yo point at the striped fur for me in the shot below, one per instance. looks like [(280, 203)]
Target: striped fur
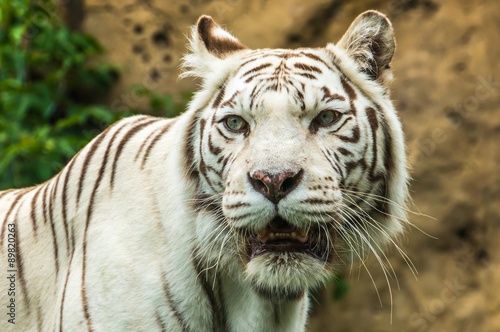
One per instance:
[(148, 227)]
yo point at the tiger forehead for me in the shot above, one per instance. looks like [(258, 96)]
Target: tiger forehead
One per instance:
[(281, 62), (265, 74)]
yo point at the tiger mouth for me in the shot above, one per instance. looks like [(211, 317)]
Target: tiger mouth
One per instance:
[(280, 236)]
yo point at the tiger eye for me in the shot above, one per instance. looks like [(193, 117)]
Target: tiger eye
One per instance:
[(327, 117), (235, 123)]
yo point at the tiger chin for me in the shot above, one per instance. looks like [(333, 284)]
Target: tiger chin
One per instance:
[(287, 165)]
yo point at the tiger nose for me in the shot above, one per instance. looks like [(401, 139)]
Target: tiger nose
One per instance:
[(275, 186)]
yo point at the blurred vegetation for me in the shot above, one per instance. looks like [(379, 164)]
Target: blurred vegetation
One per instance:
[(49, 92), (338, 287)]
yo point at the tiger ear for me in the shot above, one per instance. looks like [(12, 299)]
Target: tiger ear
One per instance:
[(370, 42), (209, 43), (214, 39)]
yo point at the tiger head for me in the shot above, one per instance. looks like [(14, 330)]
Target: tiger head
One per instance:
[(298, 154)]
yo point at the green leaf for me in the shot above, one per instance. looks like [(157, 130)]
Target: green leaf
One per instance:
[(340, 288), (49, 88), (16, 34)]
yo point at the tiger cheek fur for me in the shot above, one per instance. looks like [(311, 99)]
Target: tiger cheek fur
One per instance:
[(287, 165)]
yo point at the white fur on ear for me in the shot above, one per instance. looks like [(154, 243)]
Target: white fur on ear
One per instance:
[(209, 45), (370, 42)]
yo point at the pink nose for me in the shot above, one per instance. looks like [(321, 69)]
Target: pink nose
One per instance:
[(275, 186)]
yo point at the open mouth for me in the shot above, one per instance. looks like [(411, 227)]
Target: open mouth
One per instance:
[(281, 236)]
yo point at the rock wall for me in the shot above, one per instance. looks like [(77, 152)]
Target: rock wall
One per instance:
[(447, 92)]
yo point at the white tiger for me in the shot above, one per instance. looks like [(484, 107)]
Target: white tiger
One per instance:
[(287, 165)]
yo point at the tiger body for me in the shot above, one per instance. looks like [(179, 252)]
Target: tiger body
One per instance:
[(172, 224)]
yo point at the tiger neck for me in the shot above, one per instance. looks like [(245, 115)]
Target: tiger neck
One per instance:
[(248, 311)]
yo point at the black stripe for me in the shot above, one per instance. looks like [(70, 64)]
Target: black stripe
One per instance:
[(299, 98), (20, 194), (146, 140), (159, 322), (5, 192), (348, 88), (350, 166), (307, 75), (307, 67), (53, 206), (252, 96), (44, 202), (189, 163), (328, 156), (203, 168), (173, 305), (53, 229), (20, 264), (219, 321), (5, 221), (250, 59), (33, 211), (338, 162), (351, 139), (339, 126), (230, 102), (236, 205), (93, 148), (251, 78), (389, 168), (314, 201), (253, 70), (329, 96), (373, 121), (155, 140), (65, 202), (207, 203), (220, 95), (215, 150), (222, 134), (61, 311), (314, 57), (224, 164), (90, 211), (131, 133), (344, 152), (242, 216)]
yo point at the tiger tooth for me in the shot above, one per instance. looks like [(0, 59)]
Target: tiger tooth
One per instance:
[(262, 233), (294, 234), (303, 232), (271, 235)]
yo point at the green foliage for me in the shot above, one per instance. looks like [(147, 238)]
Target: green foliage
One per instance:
[(163, 105), (48, 92), (44, 80), (340, 287)]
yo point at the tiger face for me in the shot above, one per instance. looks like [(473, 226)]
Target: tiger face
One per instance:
[(300, 153)]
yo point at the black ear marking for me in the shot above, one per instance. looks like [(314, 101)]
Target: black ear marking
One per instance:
[(216, 40)]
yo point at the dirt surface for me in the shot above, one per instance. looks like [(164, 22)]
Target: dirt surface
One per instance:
[(447, 90)]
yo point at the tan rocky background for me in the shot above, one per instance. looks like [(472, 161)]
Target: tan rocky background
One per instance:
[(447, 92)]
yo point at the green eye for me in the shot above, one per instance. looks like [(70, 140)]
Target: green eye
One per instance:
[(235, 124), (327, 118)]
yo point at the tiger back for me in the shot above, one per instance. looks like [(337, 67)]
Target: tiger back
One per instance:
[(287, 165)]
